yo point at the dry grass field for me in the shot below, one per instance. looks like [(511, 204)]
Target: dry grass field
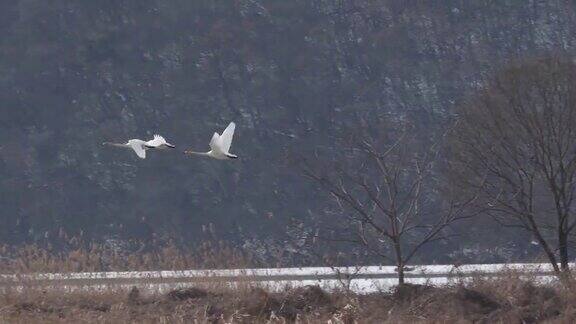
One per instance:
[(508, 299)]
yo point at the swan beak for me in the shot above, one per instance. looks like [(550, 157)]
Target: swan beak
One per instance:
[(170, 146)]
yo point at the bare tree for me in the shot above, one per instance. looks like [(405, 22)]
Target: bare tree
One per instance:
[(387, 194), (515, 142)]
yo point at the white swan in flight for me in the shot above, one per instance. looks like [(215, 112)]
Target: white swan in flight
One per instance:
[(140, 147), (220, 145)]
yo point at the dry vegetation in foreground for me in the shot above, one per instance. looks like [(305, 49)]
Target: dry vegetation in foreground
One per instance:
[(505, 300), (76, 256)]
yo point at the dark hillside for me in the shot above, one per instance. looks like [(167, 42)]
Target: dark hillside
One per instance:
[(292, 74)]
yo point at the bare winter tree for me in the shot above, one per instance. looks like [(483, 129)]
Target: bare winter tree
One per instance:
[(515, 142), (387, 194)]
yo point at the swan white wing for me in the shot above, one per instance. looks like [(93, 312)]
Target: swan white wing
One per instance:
[(226, 138), (157, 141), (140, 151), (215, 142)]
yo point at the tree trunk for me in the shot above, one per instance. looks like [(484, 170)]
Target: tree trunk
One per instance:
[(550, 255), (399, 261), (563, 249), (400, 274), (544, 245)]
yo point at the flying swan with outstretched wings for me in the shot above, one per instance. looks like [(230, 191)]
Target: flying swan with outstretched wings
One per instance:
[(219, 145), (140, 147)]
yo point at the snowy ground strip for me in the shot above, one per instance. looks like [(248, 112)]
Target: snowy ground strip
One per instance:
[(358, 279)]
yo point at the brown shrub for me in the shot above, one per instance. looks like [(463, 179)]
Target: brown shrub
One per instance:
[(261, 304), (308, 298), (187, 293), (133, 296), (408, 292)]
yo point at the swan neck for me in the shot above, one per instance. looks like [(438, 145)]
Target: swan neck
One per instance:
[(198, 153), (115, 144)]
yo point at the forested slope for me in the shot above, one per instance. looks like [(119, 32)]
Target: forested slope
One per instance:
[(292, 74)]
